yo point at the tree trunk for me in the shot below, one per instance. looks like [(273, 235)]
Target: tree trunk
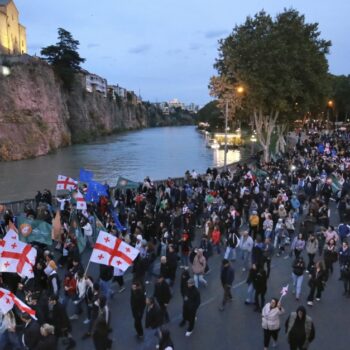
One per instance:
[(281, 143), (264, 126)]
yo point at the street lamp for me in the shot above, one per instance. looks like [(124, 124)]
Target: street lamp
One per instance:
[(330, 105), (253, 140), (237, 92)]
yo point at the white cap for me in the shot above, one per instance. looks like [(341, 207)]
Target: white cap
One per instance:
[(139, 237)]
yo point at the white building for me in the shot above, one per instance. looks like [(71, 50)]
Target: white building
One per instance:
[(175, 103), (96, 83), (117, 91)]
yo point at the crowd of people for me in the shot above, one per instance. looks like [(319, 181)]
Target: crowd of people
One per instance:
[(254, 212)]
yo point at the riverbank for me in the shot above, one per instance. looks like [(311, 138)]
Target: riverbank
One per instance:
[(38, 116)]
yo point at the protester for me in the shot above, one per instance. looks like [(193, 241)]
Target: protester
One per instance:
[(271, 322), (300, 329), (227, 278)]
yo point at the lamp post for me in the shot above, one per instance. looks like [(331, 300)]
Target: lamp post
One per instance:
[(330, 105), (238, 90), (253, 139)]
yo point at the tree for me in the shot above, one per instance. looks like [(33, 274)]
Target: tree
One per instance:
[(64, 56), (341, 96), (282, 65)]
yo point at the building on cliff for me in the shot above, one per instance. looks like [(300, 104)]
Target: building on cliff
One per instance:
[(95, 83), (12, 34), (117, 90)]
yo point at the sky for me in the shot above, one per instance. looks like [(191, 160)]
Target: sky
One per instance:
[(166, 49)]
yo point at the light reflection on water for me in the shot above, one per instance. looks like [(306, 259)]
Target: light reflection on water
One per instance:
[(157, 152)]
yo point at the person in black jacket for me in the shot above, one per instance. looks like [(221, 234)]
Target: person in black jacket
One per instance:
[(48, 340), (106, 276), (171, 257), (31, 332), (162, 294), (260, 286), (227, 278), (154, 315), (185, 276), (59, 319), (165, 342), (138, 304), (191, 304)]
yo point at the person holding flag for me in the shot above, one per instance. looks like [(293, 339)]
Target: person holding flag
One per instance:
[(271, 323)]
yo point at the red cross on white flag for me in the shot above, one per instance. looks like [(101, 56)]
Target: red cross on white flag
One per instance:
[(112, 251), (66, 183), (17, 257), (8, 300), (81, 203)]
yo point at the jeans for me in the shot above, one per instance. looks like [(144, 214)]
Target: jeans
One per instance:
[(105, 287), (246, 257), (297, 282), (199, 278), (184, 260), (228, 252), (250, 294)]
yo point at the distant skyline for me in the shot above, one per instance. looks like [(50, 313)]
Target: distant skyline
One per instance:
[(165, 48)]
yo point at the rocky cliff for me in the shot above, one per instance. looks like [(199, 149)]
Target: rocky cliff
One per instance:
[(38, 116)]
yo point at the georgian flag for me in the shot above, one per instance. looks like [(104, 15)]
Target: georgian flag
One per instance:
[(8, 300), (81, 203), (66, 183), (284, 290), (17, 257), (11, 235), (112, 251)]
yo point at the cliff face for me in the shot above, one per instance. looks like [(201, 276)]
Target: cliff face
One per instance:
[(37, 116)]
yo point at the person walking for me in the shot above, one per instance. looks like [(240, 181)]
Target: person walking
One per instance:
[(227, 278), (138, 304), (311, 249), (191, 303), (198, 268), (300, 329), (298, 276), (344, 257), (317, 282), (260, 286), (154, 316), (298, 245), (330, 256), (162, 294), (271, 322), (232, 242), (165, 342), (246, 246)]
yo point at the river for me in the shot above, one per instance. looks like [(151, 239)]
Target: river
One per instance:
[(157, 152)]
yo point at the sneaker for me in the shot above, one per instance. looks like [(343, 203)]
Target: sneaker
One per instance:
[(187, 334), (147, 282), (318, 299), (221, 308), (307, 271), (121, 290), (243, 269), (74, 317), (274, 344), (310, 303), (87, 321)]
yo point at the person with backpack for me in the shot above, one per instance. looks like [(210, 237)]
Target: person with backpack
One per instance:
[(298, 276), (232, 242)]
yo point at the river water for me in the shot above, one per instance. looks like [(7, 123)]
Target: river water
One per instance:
[(157, 152)]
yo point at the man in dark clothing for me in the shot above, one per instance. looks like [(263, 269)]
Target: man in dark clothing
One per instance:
[(106, 275), (59, 319), (154, 315), (138, 304), (162, 294), (31, 332), (300, 329), (227, 278), (191, 304), (171, 257)]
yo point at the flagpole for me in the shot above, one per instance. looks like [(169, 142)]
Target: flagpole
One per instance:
[(87, 267)]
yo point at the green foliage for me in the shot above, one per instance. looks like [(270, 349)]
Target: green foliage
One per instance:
[(281, 62), (64, 57), (211, 114), (341, 95)]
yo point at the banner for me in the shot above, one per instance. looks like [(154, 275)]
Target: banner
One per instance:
[(34, 230)]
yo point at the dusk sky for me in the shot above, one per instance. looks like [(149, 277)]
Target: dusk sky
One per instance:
[(166, 48)]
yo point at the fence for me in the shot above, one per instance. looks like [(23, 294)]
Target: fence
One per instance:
[(18, 207)]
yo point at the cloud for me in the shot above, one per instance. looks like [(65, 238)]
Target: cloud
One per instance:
[(211, 34), (195, 47), (92, 45), (173, 52), (140, 49)]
